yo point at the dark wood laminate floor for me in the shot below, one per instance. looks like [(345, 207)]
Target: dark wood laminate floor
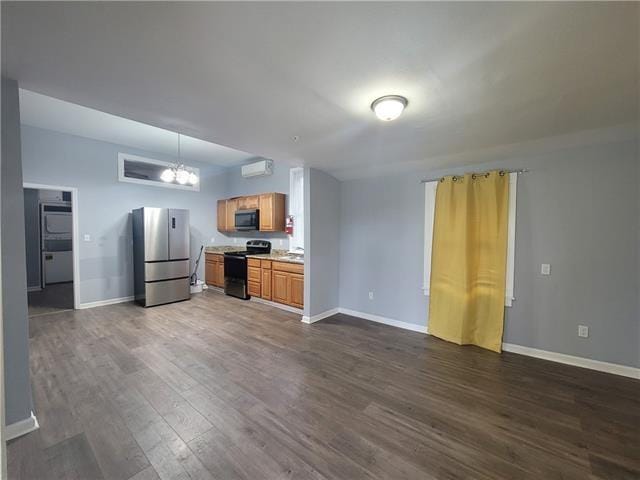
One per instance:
[(225, 389)]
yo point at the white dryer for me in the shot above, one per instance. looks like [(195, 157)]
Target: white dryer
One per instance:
[(56, 227)]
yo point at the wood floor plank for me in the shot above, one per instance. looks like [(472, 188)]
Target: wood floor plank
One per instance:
[(220, 388), (72, 459)]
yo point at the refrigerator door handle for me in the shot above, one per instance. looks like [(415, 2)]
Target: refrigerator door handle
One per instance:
[(173, 222)]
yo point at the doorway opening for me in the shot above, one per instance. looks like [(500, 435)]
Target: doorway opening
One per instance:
[(50, 244)]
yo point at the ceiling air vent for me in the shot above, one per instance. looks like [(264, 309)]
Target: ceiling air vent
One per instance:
[(258, 169)]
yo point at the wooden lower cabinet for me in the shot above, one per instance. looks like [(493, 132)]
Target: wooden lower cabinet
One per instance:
[(279, 292), (287, 284), (214, 269), (253, 288), (266, 284), (280, 282), (296, 290)]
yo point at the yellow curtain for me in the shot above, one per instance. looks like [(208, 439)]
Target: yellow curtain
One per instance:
[(469, 259)]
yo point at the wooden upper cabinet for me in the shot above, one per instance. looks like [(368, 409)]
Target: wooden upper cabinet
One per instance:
[(232, 206), (222, 215), (270, 205), (249, 203), (272, 212)]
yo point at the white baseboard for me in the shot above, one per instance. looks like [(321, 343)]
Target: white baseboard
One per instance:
[(110, 301), (598, 365), (319, 316), (21, 427), (606, 367), (387, 321), (34, 289), (276, 304)]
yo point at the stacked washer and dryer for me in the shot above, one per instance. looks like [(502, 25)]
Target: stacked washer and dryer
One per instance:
[(56, 237)]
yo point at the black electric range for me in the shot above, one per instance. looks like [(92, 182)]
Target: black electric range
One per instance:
[(235, 267)]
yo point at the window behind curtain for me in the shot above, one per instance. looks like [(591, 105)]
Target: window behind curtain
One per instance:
[(296, 207)]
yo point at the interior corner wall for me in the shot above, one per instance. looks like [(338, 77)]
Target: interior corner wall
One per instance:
[(14, 277), (578, 209), (322, 242)]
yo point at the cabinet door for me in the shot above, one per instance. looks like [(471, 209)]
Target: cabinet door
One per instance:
[(252, 202), (210, 272), (266, 284), (279, 286), (296, 296), (253, 274), (253, 289), (220, 273), (222, 215), (232, 206), (266, 212)]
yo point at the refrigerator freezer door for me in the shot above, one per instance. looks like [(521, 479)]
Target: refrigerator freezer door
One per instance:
[(166, 270), (178, 234), (157, 293), (156, 238)]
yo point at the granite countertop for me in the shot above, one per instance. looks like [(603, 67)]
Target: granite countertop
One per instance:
[(280, 256), (276, 255), (222, 248)]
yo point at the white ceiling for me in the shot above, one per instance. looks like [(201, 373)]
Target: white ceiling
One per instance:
[(41, 111), (253, 75)]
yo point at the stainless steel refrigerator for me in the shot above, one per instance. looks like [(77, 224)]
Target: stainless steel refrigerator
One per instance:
[(160, 255)]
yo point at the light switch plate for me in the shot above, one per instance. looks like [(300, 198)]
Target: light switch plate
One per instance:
[(583, 331), (87, 237), (370, 295), (545, 269)]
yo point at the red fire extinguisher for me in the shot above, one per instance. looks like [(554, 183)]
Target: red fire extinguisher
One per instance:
[(288, 228)]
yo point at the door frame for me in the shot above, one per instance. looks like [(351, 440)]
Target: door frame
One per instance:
[(75, 243)]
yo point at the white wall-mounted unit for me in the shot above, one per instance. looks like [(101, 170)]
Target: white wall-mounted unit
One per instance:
[(258, 169)]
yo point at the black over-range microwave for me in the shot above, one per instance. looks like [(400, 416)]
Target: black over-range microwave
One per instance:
[(247, 219)]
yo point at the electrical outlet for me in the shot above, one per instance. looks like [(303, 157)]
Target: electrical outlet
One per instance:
[(87, 237), (583, 331), (281, 242), (235, 240), (213, 239), (370, 295), (545, 269)]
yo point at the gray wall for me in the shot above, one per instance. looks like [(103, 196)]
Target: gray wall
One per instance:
[(14, 277), (322, 241), (104, 204), (32, 235), (577, 210), (235, 186)]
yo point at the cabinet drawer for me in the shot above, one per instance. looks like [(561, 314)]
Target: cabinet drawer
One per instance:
[(288, 267), (253, 274), (253, 262), (213, 257), (253, 288), (265, 264)]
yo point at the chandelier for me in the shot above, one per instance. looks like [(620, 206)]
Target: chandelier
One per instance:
[(179, 173)]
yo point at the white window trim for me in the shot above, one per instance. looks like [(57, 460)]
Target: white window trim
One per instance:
[(429, 217), (127, 156), (296, 240)]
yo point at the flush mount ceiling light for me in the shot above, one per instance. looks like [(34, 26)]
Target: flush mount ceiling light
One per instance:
[(389, 107), (179, 173)]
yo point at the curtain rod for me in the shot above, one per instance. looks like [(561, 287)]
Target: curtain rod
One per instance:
[(518, 171)]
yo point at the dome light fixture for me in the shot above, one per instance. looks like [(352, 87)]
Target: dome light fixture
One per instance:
[(389, 107)]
